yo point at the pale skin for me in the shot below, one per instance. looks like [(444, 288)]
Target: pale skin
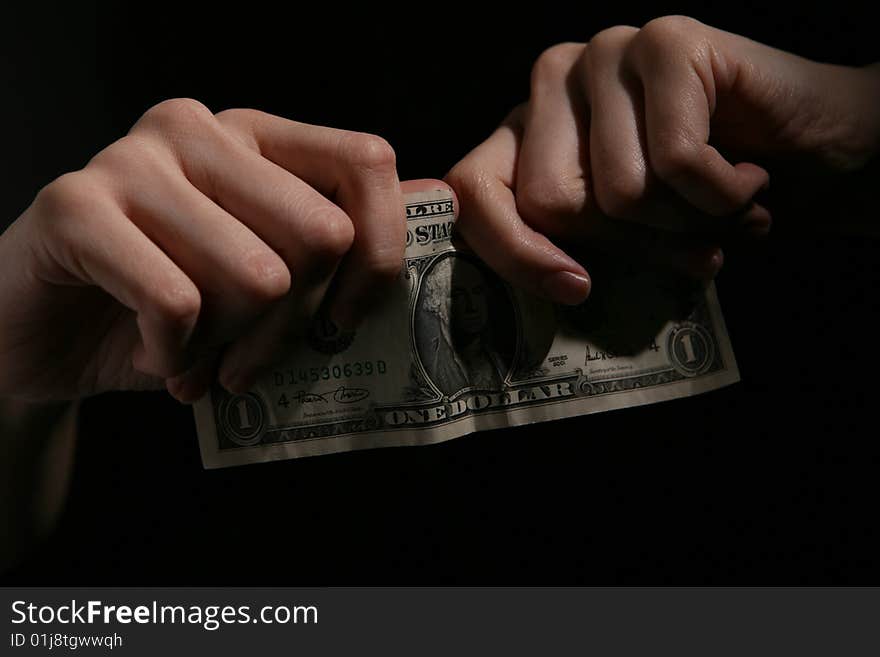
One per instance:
[(613, 150), (192, 248), (186, 252)]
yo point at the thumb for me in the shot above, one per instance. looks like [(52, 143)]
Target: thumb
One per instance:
[(491, 225)]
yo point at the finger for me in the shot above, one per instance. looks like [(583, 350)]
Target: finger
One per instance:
[(94, 241), (552, 172), (375, 202), (491, 225), (253, 353), (623, 184), (617, 147), (755, 222), (679, 99), (308, 231), (358, 172), (237, 273), (259, 348), (428, 185), (305, 228), (557, 185), (193, 384)]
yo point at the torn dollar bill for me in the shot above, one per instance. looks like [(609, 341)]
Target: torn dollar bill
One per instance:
[(453, 349)]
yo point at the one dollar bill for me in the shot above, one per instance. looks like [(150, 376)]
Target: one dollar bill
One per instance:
[(453, 350)]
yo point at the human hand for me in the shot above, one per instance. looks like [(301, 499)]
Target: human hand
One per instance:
[(647, 142), (196, 243)]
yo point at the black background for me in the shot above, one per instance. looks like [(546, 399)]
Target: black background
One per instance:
[(770, 481)]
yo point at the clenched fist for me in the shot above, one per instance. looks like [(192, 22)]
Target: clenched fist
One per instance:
[(195, 245), (648, 141)]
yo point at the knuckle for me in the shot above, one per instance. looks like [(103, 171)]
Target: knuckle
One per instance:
[(383, 266), (551, 198), (331, 233), (473, 187), (673, 158), (620, 194), (237, 116), (264, 277), (240, 122), (461, 177), (176, 115), (70, 196), (667, 32), (179, 304), (611, 39), (369, 152), (555, 62), (126, 155)]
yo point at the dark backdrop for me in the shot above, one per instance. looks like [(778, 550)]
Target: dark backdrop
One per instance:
[(770, 481)]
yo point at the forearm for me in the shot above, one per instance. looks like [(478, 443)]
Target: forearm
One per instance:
[(36, 458), (840, 198)]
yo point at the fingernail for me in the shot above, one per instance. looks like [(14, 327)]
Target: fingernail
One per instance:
[(243, 382), (237, 386), (190, 393), (228, 378), (174, 386), (566, 287), (716, 261), (757, 221), (181, 389), (706, 263)]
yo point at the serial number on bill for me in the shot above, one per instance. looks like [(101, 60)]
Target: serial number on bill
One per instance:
[(295, 376)]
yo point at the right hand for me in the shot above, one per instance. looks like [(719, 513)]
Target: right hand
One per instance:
[(193, 246), (647, 143)]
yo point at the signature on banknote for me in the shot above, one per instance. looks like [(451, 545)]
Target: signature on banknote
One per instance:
[(341, 395)]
